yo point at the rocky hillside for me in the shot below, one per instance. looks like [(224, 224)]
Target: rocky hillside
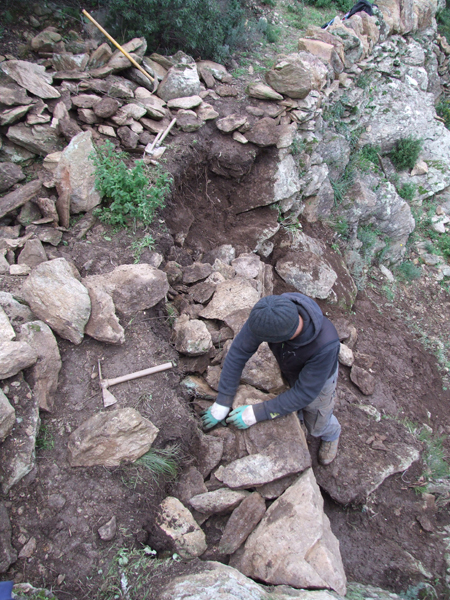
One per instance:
[(325, 173)]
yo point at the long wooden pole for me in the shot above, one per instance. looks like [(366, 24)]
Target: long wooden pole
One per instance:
[(118, 46)]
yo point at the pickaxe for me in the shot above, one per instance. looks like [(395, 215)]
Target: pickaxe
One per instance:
[(108, 398)]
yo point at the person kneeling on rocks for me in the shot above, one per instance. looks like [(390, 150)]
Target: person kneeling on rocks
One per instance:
[(306, 346)]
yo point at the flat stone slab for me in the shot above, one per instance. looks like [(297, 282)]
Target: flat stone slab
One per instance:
[(32, 77), (230, 296), (219, 501)]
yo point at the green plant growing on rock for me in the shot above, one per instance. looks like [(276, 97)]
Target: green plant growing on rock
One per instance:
[(135, 194), (407, 191), (161, 463), (443, 111), (408, 271), (406, 152), (139, 246)]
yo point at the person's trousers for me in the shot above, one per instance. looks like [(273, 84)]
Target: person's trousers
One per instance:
[(318, 415)]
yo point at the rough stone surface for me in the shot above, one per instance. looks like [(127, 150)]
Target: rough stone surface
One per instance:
[(31, 76), (189, 484), (9, 175), (19, 197), (17, 452), (233, 586), (7, 332), (308, 273), (8, 555), (191, 337), (58, 298), (262, 370), (15, 356), (103, 324), (262, 92), (181, 81), (219, 501), (346, 357), (110, 438), (294, 544), (230, 296), (242, 522), (7, 418), (177, 523), (295, 75), (39, 139), (363, 380), (264, 133), (107, 532), (43, 375), (33, 254)]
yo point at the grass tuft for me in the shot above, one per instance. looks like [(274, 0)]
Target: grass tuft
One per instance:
[(406, 152)]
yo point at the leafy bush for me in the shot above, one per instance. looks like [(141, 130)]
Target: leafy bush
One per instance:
[(443, 22), (269, 2), (371, 153), (132, 196), (443, 110), (406, 152), (407, 191), (408, 271), (199, 27)]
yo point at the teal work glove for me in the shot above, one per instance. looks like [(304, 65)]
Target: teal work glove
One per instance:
[(214, 415), (242, 417)]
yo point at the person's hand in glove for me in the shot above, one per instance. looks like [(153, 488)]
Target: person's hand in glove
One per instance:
[(214, 415), (242, 417)]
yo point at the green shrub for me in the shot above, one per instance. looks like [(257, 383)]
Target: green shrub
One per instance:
[(203, 28), (406, 152), (443, 110), (371, 153), (443, 22), (269, 2), (369, 238), (341, 227), (132, 197), (407, 191), (342, 5), (444, 245), (408, 271)]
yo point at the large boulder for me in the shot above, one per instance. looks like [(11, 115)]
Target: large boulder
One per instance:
[(110, 438), (38, 139), (75, 178), (229, 297), (14, 357), (293, 544), (191, 337), (57, 297), (213, 576), (103, 324), (295, 75)]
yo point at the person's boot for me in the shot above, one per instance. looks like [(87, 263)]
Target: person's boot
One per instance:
[(327, 452)]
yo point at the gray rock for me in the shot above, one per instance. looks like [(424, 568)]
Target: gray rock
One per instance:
[(219, 501), (293, 544), (85, 100), (128, 112), (103, 324), (287, 182), (233, 585), (9, 175), (39, 139), (308, 273), (8, 555), (295, 75), (181, 81), (264, 133), (17, 452), (188, 121), (16, 312), (346, 357), (58, 298), (191, 337), (128, 138), (196, 272), (230, 296), (107, 107), (231, 122), (12, 94), (19, 197), (107, 532), (7, 418), (100, 56), (262, 370), (48, 40), (197, 386), (14, 357), (180, 529), (262, 92), (47, 235), (110, 438), (135, 47), (33, 254), (7, 332), (363, 380), (209, 453), (30, 76), (189, 484), (242, 522), (10, 116), (43, 375)]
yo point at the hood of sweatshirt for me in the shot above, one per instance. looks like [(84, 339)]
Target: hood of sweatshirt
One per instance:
[(312, 318)]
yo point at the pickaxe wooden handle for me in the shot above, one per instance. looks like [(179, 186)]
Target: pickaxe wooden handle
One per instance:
[(117, 45), (108, 398)]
